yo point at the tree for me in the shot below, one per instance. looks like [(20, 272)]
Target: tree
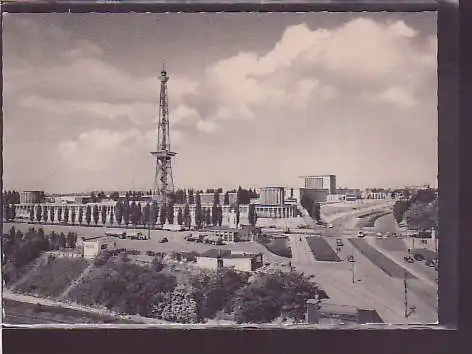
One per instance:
[(59, 215), (226, 198), (31, 217), (51, 214), (88, 215), (191, 198), (162, 216), (271, 295), (207, 217), (119, 212), (220, 215), (252, 214), (170, 213), (62, 240), (154, 215), (104, 215), (96, 214), (81, 215), (179, 306), (45, 214), (73, 216), (187, 218), (134, 213), (13, 212), (112, 217), (214, 215), (422, 216), (115, 196), (66, 215), (237, 215), (198, 211), (316, 213), (6, 211), (180, 217), (71, 239), (126, 212), (146, 214)]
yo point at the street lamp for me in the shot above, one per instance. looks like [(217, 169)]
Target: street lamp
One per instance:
[(351, 260)]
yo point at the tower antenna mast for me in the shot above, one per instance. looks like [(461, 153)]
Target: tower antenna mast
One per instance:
[(163, 180)]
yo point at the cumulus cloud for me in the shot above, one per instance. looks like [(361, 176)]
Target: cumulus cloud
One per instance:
[(300, 68)]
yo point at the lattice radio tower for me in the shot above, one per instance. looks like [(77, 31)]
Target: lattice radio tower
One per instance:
[(163, 181)]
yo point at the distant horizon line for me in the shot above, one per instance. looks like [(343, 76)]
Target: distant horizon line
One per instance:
[(88, 191)]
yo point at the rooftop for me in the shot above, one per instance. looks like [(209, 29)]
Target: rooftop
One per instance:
[(214, 253), (221, 228)]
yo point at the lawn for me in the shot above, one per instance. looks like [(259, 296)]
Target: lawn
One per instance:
[(380, 260), (53, 277), (322, 250), (279, 246)]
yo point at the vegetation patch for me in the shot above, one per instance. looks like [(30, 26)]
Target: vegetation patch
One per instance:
[(123, 286), (277, 245), (322, 250), (52, 277), (21, 250)]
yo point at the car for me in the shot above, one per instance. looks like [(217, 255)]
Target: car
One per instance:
[(339, 242), (164, 240), (361, 234), (330, 226), (379, 235), (418, 257), (408, 259)]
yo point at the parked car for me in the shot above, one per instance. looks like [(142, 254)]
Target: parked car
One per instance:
[(430, 262), (361, 234), (379, 235), (408, 259), (330, 226), (339, 242), (418, 257), (164, 240)]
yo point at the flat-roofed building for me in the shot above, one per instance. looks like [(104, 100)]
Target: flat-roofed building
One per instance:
[(92, 246), (240, 261), (271, 195), (321, 182), (31, 197)]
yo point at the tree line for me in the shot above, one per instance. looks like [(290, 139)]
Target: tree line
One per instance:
[(20, 249), (420, 211)]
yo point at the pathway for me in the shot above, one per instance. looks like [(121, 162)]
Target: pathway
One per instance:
[(76, 282)]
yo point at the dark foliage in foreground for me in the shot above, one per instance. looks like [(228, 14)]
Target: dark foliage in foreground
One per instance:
[(123, 287)]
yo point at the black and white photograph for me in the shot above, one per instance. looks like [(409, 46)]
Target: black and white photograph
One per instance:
[(220, 169)]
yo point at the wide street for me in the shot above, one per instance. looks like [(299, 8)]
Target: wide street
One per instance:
[(372, 287)]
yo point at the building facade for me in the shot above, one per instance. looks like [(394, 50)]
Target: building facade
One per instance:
[(94, 245), (272, 195), (30, 197), (322, 182), (216, 259)]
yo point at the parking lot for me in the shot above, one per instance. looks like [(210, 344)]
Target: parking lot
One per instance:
[(176, 241)]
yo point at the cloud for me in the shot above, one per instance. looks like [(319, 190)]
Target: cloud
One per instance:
[(207, 126), (398, 96), (310, 68)]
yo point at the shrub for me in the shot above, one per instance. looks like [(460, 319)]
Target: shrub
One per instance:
[(102, 258), (151, 253), (272, 295)]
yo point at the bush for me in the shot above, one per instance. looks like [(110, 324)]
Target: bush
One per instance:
[(213, 289), (178, 306), (272, 295), (102, 258), (123, 287), (151, 253), (134, 252)]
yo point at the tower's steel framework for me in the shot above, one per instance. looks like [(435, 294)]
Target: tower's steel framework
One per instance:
[(163, 180)]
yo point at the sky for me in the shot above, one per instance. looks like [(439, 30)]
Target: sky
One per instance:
[(254, 99)]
